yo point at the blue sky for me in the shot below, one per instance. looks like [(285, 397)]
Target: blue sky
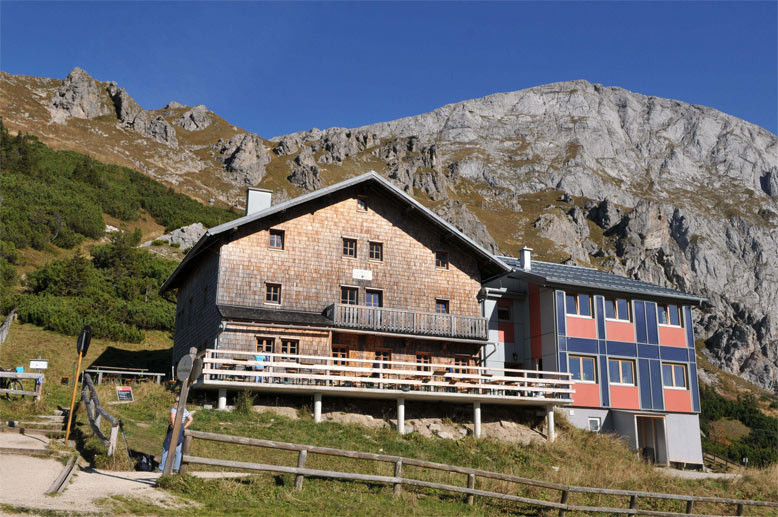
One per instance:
[(275, 68)]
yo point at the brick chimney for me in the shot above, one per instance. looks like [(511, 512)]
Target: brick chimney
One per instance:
[(257, 199)]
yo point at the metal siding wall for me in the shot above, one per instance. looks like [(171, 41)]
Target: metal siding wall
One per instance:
[(604, 386), (694, 388), (562, 362), (562, 344), (648, 351), (622, 349), (560, 313), (651, 324), (657, 395), (599, 303), (671, 353), (644, 383), (687, 314), (640, 322), (581, 345)]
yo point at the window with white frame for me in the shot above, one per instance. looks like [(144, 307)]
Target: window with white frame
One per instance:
[(577, 304), (674, 376), (583, 368), (669, 314), (618, 309), (621, 371)]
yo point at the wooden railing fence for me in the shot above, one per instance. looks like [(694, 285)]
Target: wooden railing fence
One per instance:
[(36, 392), (6, 326), (95, 413), (720, 462), (397, 480)]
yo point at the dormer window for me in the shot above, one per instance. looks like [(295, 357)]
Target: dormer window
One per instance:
[(361, 204)]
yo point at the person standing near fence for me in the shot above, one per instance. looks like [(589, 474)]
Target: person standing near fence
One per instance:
[(187, 421)]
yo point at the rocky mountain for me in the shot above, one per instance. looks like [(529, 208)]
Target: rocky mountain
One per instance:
[(653, 188)]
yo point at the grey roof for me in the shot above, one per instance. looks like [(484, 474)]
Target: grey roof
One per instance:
[(561, 275), (372, 176)]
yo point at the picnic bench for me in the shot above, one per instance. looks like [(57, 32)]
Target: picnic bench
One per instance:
[(113, 374)]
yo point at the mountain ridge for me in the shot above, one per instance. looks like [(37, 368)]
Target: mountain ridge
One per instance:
[(664, 191)]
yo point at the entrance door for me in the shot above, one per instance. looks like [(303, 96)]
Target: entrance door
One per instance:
[(652, 445)]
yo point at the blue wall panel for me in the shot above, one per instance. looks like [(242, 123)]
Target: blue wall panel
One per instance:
[(651, 327), (562, 362), (599, 303), (640, 322), (601, 347), (581, 345), (560, 313), (692, 358), (604, 381), (671, 353), (649, 351), (694, 388), (657, 396), (687, 312), (623, 349), (562, 343), (644, 384)]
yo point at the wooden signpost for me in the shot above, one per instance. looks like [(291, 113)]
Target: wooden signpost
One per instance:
[(82, 345), (188, 370)]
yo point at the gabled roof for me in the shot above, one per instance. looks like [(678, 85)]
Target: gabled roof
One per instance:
[(560, 275), (372, 178)]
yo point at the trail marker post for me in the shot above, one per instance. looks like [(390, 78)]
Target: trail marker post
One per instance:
[(189, 368), (82, 345)]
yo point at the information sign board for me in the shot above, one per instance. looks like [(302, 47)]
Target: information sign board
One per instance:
[(124, 393)]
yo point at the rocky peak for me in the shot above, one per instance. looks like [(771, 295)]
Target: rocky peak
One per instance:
[(194, 119), (132, 116), (80, 96), (244, 158)]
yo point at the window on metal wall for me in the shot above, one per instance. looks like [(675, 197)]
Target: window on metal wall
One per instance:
[(578, 304), (621, 371), (669, 315), (583, 368), (674, 375), (617, 309), (503, 313), (595, 424)]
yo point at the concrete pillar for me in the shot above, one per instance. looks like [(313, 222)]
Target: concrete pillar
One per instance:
[(317, 407), (222, 399), (401, 416), (477, 419), (550, 423)]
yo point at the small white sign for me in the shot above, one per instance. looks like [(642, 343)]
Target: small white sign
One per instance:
[(39, 364), (362, 274)]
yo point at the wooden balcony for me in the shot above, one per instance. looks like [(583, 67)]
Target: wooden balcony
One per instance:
[(368, 378), (382, 319)]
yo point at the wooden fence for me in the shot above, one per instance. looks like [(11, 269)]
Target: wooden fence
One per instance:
[(36, 392), (397, 480), (6, 326), (716, 461), (95, 412)]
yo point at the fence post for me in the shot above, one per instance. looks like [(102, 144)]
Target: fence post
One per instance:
[(739, 509), (565, 494), (470, 484), (298, 480), (689, 506), (633, 502), (185, 448), (398, 473), (39, 388), (112, 441)]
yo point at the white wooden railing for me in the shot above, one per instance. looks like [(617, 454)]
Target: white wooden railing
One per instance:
[(407, 321), (292, 371)]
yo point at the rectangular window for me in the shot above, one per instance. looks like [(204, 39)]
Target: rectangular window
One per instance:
[(374, 298), (339, 352), (441, 306), (349, 248), (290, 346), (265, 344), (617, 309), (362, 204), (376, 251), (349, 295), (383, 355), (461, 362), (578, 304), (273, 293), (503, 313), (595, 424), (674, 375), (583, 368), (441, 259), (276, 239), (422, 359), (669, 315), (622, 371)]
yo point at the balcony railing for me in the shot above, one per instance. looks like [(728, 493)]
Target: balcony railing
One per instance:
[(408, 322), (381, 379)]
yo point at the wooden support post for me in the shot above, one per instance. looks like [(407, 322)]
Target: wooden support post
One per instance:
[(401, 416), (112, 440), (740, 509), (565, 495), (73, 399), (477, 419), (689, 506), (398, 473), (222, 404), (470, 484), (39, 388), (298, 480), (185, 449), (633, 502), (551, 435), (317, 407)]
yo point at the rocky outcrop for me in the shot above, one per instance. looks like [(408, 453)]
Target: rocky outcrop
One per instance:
[(80, 96), (175, 105), (133, 117), (287, 145), (185, 237), (457, 214), (306, 173), (244, 158), (195, 119)]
